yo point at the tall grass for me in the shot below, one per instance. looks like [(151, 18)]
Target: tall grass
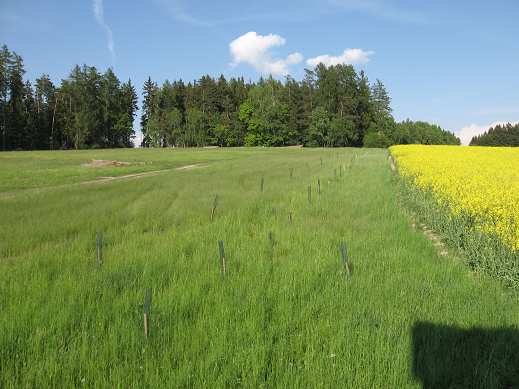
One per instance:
[(284, 315)]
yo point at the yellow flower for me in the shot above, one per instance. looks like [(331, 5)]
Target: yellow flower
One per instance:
[(482, 182)]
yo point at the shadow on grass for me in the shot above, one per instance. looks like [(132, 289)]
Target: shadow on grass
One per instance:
[(450, 357)]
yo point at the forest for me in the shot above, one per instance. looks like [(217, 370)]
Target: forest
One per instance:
[(331, 106), (500, 135), (87, 110)]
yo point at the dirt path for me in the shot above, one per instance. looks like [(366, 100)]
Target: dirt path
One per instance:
[(103, 180)]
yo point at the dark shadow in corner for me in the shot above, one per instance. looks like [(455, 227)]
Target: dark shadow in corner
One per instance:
[(451, 357)]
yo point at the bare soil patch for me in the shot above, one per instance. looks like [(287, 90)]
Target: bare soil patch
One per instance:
[(189, 167), (141, 175), (106, 163), (433, 238), (392, 164)]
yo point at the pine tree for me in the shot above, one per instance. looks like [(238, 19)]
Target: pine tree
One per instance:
[(5, 61), (381, 101), (110, 110), (45, 95), (15, 127), (292, 97), (364, 111), (30, 132), (127, 110), (149, 107)]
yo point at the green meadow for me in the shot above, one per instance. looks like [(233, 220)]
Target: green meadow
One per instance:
[(289, 311)]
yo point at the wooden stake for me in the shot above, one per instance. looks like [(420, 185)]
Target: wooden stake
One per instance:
[(272, 243), (99, 247), (222, 256), (291, 170), (147, 305), (318, 186), (344, 257), (215, 204), (262, 183)]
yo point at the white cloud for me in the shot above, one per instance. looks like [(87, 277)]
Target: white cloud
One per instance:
[(100, 18), (349, 57), (467, 132), (255, 50), (294, 58)]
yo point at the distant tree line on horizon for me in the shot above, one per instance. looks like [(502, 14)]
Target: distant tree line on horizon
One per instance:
[(500, 135), (332, 106), (87, 110)]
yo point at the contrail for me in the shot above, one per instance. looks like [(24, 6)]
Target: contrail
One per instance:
[(100, 18)]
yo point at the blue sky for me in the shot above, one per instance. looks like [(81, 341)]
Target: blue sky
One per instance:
[(454, 63)]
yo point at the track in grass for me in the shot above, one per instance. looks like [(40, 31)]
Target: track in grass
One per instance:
[(103, 180), (284, 314)]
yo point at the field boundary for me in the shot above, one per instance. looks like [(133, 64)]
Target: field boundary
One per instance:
[(431, 235), (481, 252)]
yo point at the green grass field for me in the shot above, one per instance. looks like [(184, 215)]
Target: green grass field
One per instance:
[(284, 315)]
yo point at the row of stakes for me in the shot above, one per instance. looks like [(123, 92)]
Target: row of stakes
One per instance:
[(291, 173), (346, 263), (262, 187)]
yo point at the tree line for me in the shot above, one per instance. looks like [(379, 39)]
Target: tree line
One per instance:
[(500, 135), (87, 110), (330, 107)]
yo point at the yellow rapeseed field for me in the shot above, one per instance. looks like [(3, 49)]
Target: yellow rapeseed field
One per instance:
[(482, 182)]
